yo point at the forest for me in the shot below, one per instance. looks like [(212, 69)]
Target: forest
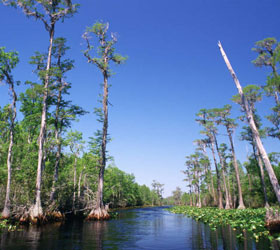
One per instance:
[(233, 184), (48, 169)]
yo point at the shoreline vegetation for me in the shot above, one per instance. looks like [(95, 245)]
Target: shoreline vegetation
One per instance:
[(130, 195), (14, 223), (249, 220), (49, 172)]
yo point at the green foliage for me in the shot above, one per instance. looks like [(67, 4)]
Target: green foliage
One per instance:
[(269, 56), (268, 52), (105, 52), (6, 226), (253, 94), (120, 189), (250, 220), (75, 141), (42, 10), (8, 61), (177, 195)]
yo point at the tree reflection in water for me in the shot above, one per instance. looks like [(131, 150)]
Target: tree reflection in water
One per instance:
[(147, 228)]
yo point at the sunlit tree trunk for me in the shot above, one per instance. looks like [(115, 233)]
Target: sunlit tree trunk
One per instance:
[(99, 212), (74, 185), (7, 205), (262, 179), (223, 173), (191, 203), (197, 176), (229, 192), (255, 132), (106, 53), (58, 143), (79, 182), (208, 172), (36, 210), (220, 196), (240, 196)]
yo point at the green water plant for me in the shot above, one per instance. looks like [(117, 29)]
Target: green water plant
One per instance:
[(241, 220), (6, 226)]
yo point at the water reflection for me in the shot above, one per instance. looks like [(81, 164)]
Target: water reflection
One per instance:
[(149, 228)]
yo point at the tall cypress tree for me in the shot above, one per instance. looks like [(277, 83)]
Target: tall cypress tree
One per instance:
[(8, 61), (49, 12), (102, 58)]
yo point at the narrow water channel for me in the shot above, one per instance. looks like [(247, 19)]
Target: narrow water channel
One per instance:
[(143, 228)]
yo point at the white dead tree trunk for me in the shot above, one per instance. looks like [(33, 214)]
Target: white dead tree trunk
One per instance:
[(255, 132)]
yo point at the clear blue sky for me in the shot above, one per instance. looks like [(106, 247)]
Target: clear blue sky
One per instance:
[(174, 69)]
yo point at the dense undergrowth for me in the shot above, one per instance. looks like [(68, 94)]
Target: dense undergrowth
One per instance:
[(242, 220)]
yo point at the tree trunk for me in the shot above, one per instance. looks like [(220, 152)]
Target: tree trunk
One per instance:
[(213, 190), (223, 173), (7, 205), (262, 180), (57, 139), (199, 200), (100, 212), (240, 196), (194, 199), (79, 182), (220, 196), (74, 186), (226, 189), (208, 171), (250, 185), (255, 132), (36, 210), (56, 168), (234, 194), (191, 204), (260, 164), (229, 192)]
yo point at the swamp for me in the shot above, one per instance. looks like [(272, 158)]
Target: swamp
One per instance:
[(139, 124)]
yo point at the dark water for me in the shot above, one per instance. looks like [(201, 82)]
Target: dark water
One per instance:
[(145, 228)]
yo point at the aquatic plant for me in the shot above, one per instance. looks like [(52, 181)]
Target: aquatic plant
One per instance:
[(5, 225), (242, 220)]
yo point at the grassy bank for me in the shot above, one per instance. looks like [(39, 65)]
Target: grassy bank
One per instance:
[(249, 220)]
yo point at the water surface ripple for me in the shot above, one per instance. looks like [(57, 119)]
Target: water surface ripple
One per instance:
[(136, 229)]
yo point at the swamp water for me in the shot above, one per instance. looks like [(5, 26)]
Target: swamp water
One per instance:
[(136, 229)]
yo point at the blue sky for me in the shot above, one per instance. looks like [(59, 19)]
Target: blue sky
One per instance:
[(174, 68)]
